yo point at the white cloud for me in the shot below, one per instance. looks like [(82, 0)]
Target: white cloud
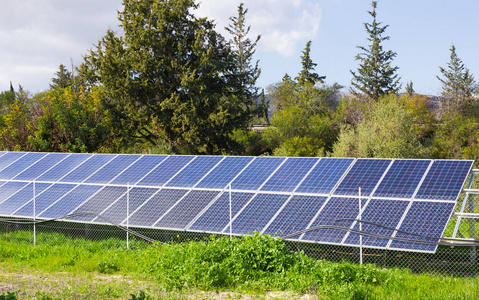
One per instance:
[(283, 24)]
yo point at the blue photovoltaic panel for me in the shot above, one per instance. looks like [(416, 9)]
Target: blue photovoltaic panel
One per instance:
[(118, 211), (256, 173), (257, 213), (70, 201), (41, 166), (9, 158), (87, 168), (157, 206), (10, 188), (186, 210), (139, 169), (290, 174), (402, 178), (99, 202), (225, 172), (295, 216), (112, 169), (64, 167), (167, 169), (444, 180), (217, 216), (192, 173), (44, 200), (20, 165), (425, 218), (334, 210), (387, 213), (21, 197), (325, 175), (365, 174)]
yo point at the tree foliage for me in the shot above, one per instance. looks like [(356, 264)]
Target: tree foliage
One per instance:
[(169, 77), (307, 74), (458, 85), (385, 132), (375, 76)]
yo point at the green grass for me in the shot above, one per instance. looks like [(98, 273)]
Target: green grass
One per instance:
[(254, 265)]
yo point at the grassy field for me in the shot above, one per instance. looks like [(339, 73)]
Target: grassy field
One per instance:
[(253, 267)]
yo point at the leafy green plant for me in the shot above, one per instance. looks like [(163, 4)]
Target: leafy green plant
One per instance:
[(9, 296)]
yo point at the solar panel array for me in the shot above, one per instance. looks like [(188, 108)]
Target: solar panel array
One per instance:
[(271, 195)]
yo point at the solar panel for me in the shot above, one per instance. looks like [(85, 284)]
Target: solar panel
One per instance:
[(272, 195), (445, 180), (424, 218), (287, 177), (295, 216), (335, 209), (325, 175), (186, 210), (217, 216), (257, 213), (364, 174), (382, 212), (155, 207), (257, 173)]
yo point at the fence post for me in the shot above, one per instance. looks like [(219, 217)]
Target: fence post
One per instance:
[(472, 229), (34, 217), (127, 215), (361, 231), (231, 224)]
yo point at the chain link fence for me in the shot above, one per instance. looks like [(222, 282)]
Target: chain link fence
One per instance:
[(100, 220)]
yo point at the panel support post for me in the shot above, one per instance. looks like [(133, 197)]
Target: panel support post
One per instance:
[(34, 217), (231, 224), (127, 215), (361, 231), (472, 228)]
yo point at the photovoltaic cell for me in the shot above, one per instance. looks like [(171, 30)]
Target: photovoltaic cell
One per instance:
[(64, 167), (99, 202), (21, 197), (70, 201), (365, 174), (41, 166), (290, 174), (444, 180), (44, 200), (256, 173), (10, 188), (225, 172), (295, 216), (402, 178), (387, 213), (118, 211), (112, 169), (334, 210), (139, 169), (9, 158), (187, 209), (192, 173), (157, 206), (166, 170), (20, 165), (257, 213), (87, 168), (325, 175), (424, 218), (217, 216)]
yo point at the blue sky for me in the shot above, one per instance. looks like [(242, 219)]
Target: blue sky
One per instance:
[(38, 35)]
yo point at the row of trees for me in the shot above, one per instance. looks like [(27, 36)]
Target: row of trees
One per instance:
[(172, 84)]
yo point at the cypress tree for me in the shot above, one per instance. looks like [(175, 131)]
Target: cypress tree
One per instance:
[(375, 76)]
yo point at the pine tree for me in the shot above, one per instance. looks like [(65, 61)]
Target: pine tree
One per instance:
[(458, 84), (307, 74), (245, 72), (409, 88), (375, 76)]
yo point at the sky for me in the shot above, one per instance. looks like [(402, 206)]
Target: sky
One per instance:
[(39, 35)]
